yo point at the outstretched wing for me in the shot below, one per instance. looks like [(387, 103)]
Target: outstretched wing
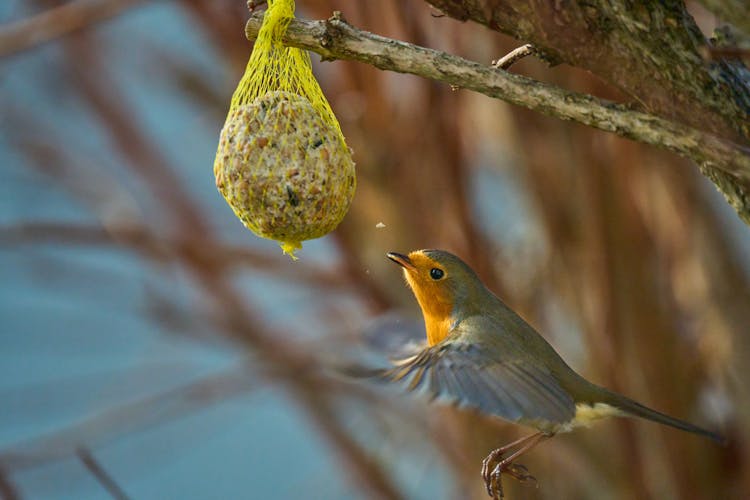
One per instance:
[(470, 375)]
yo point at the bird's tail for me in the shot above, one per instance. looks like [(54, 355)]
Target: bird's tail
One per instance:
[(636, 409)]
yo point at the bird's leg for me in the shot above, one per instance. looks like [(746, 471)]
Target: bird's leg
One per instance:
[(495, 465)]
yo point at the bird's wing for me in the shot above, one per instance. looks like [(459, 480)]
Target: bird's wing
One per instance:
[(471, 375)]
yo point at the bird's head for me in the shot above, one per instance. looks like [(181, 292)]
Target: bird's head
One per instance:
[(445, 287)]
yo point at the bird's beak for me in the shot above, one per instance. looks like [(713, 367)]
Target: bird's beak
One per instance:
[(401, 260)]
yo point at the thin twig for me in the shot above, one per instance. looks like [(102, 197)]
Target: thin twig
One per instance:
[(514, 56), (101, 475), (335, 39), (729, 53), (56, 22)]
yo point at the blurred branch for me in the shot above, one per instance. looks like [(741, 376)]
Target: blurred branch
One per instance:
[(729, 53), (293, 365), (313, 392), (121, 420), (93, 77), (364, 467), (7, 489), (101, 475), (59, 21), (146, 242), (335, 39), (220, 21)]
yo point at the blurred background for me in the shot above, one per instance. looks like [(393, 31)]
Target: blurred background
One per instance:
[(151, 347)]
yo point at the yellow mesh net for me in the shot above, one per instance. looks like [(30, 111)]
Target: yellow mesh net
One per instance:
[(282, 163)]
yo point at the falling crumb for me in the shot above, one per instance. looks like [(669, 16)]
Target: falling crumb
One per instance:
[(380, 225)]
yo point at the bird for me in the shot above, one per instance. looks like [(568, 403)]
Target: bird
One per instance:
[(482, 355)]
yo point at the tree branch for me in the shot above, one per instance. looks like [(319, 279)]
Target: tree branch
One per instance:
[(514, 56), (335, 39)]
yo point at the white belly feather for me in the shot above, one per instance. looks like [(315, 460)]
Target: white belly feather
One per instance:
[(587, 414)]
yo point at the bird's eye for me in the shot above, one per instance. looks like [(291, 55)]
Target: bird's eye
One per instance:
[(436, 273)]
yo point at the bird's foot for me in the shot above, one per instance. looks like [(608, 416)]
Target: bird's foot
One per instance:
[(497, 463), (494, 466)]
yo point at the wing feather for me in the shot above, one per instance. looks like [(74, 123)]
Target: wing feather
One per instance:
[(468, 376)]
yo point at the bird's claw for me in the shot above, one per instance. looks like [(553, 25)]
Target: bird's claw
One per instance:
[(494, 488), (493, 467), (520, 472), (488, 465), (496, 464)]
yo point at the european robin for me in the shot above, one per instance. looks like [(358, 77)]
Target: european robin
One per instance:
[(481, 354)]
